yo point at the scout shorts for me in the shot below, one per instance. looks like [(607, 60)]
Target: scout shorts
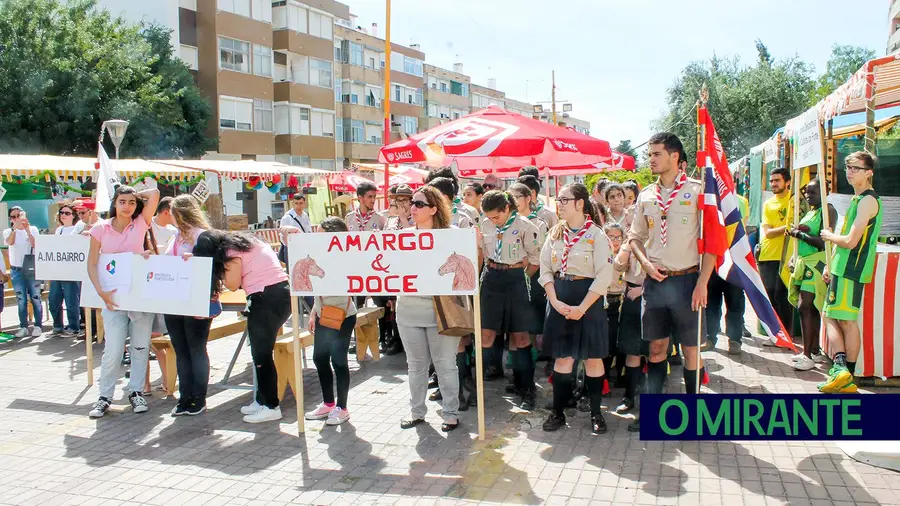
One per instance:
[(843, 299), (667, 312)]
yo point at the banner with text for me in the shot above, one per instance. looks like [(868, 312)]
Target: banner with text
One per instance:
[(61, 257), (807, 136), (160, 284), (407, 262)]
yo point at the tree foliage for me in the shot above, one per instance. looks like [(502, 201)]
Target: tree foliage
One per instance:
[(642, 176), (625, 148), (842, 64), (65, 67)]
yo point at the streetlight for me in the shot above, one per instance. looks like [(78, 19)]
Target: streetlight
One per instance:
[(116, 128)]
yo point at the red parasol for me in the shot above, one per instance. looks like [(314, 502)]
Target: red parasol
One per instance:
[(408, 176), (617, 162), (495, 139), (346, 181)]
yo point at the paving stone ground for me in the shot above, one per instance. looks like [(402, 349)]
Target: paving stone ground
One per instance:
[(51, 453)]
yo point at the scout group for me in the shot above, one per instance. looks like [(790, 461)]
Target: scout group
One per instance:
[(604, 287)]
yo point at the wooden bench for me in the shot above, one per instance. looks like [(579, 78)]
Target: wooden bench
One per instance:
[(366, 338)]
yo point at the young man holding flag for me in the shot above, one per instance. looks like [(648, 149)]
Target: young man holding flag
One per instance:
[(664, 239)]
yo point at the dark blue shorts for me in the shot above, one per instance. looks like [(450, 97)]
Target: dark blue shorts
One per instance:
[(667, 313)]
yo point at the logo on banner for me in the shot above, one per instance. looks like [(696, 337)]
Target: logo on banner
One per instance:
[(400, 155), (463, 272), (111, 267), (564, 146), (469, 137), (302, 272), (161, 277), (149, 276)]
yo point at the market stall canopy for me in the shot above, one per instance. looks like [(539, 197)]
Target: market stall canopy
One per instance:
[(881, 125), (346, 181), (71, 167), (877, 80), (495, 139), (244, 169), (399, 174), (618, 161)]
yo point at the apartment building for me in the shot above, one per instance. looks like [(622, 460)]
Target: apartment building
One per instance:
[(359, 91), (446, 95), (519, 107), (893, 42), (485, 96)]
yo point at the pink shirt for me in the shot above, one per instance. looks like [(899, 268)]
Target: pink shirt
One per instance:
[(259, 267), (178, 245), (131, 240)]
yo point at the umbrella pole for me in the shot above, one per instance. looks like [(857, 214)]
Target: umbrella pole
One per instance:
[(386, 97)]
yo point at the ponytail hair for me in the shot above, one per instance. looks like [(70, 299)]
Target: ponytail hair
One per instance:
[(497, 200), (580, 194)]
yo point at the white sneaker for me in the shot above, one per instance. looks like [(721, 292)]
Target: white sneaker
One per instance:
[(804, 363), (819, 358), (37, 332), (99, 408), (264, 414), (796, 357), (769, 341), (22, 332), (251, 408), (337, 416), (320, 413), (138, 403)]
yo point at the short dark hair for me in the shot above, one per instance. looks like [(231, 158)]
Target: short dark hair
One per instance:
[(601, 185), (863, 156), (633, 186), (445, 186), (13, 209), (781, 171), (529, 170), (611, 188), (333, 224), (444, 172), (497, 200), (671, 143), (476, 187), (531, 182), (299, 196), (165, 204), (365, 187)]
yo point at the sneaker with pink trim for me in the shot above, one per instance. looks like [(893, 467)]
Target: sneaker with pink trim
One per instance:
[(337, 416), (320, 413)]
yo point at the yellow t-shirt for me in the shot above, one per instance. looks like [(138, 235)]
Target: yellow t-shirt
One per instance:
[(776, 213)]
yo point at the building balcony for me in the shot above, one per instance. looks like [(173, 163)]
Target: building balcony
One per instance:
[(894, 11), (245, 142), (361, 152), (305, 145), (893, 45), (313, 96)]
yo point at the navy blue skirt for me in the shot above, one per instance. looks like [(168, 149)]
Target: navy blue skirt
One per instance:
[(505, 302), (579, 339), (539, 303)]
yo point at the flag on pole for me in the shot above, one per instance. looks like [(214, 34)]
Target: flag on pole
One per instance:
[(724, 234), (107, 180)]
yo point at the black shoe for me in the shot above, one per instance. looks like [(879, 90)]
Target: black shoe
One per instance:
[(195, 408), (598, 424), (352, 350), (180, 408), (436, 396), (511, 388), (433, 381), (554, 422), (126, 359), (463, 403), (584, 404), (625, 406), (447, 427), (473, 399), (493, 374), (409, 424), (528, 401), (151, 356), (745, 332), (675, 360), (393, 349), (635, 426)]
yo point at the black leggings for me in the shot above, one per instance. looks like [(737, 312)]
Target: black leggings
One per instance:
[(331, 345), (189, 336), (268, 310)]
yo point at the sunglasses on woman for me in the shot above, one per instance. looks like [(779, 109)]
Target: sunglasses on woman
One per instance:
[(65, 213), (488, 186), (420, 204)]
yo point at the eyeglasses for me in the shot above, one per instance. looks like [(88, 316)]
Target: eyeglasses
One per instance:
[(854, 168), (615, 238), (564, 200), (82, 213), (65, 213), (488, 186), (419, 204), (14, 216)]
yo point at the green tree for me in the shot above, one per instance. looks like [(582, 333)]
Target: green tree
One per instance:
[(65, 67), (842, 64), (625, 148), (747, 103), (642, 176)]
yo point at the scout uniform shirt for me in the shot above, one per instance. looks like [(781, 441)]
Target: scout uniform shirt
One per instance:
[(520, 242), (471, 212), (357, 222), (543, 228), (682, 224), (547, 215), (461, 219), (590, 257), (632, 272), (625, 220)]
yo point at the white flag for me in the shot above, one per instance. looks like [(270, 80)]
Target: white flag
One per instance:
[(107, 180)]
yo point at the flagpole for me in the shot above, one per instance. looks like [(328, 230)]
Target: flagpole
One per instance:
[(701, 148), (824, 191)]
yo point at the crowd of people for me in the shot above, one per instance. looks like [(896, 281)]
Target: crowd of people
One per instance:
[(610, 286)]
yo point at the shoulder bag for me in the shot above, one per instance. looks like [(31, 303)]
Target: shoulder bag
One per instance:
[(455, 315), (331, 316)]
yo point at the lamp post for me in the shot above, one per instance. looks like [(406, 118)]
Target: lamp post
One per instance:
[(116, 128)]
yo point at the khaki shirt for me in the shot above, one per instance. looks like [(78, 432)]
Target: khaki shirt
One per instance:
[(548, 216), (356, 222), (683, 227), (395, 223), (543, 229), (520, 242), (474, 214), (625, 220), (632, 271), (461, 219), (591, 257)]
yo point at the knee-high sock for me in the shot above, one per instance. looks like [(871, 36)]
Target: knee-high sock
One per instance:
[(562, 390), (690, 380), (525, 366), (633, 376), (656, 376), (461, 361), (595, 391)]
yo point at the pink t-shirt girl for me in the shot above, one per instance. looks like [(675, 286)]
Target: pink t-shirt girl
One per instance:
[(178, 246), (259, 267), (131, 240)]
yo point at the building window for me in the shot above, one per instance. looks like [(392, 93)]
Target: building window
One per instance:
[(320, 73), (234, 54), (456, 88), (373, 97), (320, 25), (239, 7), (412, 66), (322, 124), (299, 70), (322, 164), (235, 113), (398, 95), (296, 18), (262, 60), (357, 131), (338, 53), (419, 97), (356, 54), (262, 10), (410, 125), (189, 56), (337, 89), (371, 63), (373, 133), (262, 115), (433, 110), (282, 118), (340, 163), (339, 129), (300, 161)]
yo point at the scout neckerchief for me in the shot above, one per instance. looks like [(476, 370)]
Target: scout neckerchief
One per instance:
[(533, 214), (456, 205), (680, 179), (618, 221), (571, 242), (359, 222), (500, 232)]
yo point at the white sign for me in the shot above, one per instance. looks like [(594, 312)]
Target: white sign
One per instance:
[(114, 271), (148, 183), (2, 191), (167, 277), (61, 257), (406, 262), (807, 139), (194, 301), (201, 191), (770, 151)]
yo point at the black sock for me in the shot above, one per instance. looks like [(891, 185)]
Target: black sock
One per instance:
[(690, 381), (656, 376), (595, 392), (562, 391), (486, 358), (526, 369), (851, 366), (461, 367), (840, 358), (633, 377)]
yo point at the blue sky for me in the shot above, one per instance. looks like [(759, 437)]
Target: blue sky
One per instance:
[(614, 60)]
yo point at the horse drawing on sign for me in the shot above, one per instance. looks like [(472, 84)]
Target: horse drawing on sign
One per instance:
[(463, 272), (300, 274)]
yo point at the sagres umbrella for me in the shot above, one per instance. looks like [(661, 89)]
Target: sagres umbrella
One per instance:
[(346, 181), (495, 139)]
